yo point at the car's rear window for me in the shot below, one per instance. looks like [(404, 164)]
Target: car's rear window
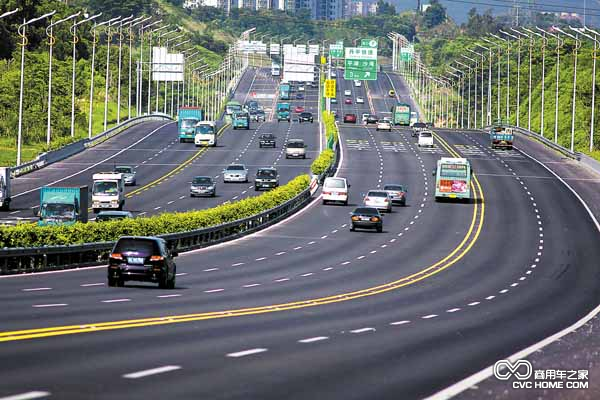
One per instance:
[(235, 168), (306, 114), (335, 183), (398, 188), (267, 136), (269, 173), (124, 170), (377, 194), (143, 247), (295, 145), (202, 180), (366, 211)]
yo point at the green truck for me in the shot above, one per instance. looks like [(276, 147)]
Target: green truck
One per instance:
[(501, 135), (284, 91), (63, 205), (401, 114), (187, 118), (283, 112), (240, 120)]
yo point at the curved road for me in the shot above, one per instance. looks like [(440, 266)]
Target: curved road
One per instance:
[(308, 309)]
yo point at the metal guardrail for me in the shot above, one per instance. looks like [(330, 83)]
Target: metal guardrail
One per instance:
[(547, 142), (48, 258), (71, 149)]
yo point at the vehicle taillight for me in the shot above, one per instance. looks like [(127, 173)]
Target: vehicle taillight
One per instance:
[(355, 218), (374, 219), (327, 193), (156, 258), (116, 256), (386, 200), (367, 199)]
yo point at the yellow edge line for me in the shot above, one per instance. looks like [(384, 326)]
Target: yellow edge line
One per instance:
[(405, 281)]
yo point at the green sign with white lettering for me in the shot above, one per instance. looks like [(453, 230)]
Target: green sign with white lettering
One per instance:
[(336, 50), (371, 43), (360, 63)]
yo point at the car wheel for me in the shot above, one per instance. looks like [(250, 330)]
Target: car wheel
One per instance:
[(324, 202), (191, 195), (180, 140), (379, 229), (346, 202), (352, 228), (256, 188), (164, 281), (171, 282), (112, 282), (96, 210)]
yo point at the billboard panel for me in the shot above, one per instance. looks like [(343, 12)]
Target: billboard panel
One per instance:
[(166, 67)]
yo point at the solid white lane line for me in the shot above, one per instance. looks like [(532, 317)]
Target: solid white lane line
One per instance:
[(27, 396), (115, 300), (166, 296), (213, 290), (400, 322), (363, 330), (429, 316), (153, 371), (313, 339), (91, 284), (36, 289), (246, 353), (50, 305), (237, 264), (251, 285)]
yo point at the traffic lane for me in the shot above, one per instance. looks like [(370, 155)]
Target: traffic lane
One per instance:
[(77, 170)]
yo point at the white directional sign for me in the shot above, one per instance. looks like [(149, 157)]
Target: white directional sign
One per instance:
[(166, 67), (254, 46), (313, 49), (274, 49)]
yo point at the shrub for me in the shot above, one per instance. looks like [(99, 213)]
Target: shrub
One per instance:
[(322, 162)]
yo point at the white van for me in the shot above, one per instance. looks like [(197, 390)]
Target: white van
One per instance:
[(206, 134), (425, 139), (295, 148), (335, 189)]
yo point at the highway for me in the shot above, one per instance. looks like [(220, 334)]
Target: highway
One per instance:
[(154, 150), (307, 309)]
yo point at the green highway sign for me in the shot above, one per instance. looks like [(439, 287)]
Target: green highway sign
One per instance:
[(406, 53), (371, 43), (336, 50), (360, 63)]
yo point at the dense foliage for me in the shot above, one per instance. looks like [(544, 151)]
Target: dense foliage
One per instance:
[(28, 235), (322, 162)]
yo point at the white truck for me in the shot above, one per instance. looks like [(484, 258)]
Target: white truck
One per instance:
[(108, 191), (4, 188), (205, 134)]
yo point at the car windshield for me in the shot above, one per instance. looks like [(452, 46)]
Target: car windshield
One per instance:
[(202, 180), (124, 170), (397, 188), (377, 194), (366, 211), (188, 123), (295, 145), (306, 114), (267, 173), (335, 183), (106, 217), (141, 247), (62, 211), (235, 168), (205, 129), (267, 136), (104, 187), (241, 115), (260, 112), (426, 134)]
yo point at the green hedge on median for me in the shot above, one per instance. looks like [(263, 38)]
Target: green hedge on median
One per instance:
[(322, 162), (30, 235)]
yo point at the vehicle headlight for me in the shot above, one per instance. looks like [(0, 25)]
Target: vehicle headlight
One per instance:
[(113, 202), (355, 218)]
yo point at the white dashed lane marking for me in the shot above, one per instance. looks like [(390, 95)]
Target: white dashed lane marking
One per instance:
[(246, 353)]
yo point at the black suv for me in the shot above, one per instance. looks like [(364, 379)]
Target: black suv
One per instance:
[(142, 258), (266, 178), (266, 140), (305, 117)]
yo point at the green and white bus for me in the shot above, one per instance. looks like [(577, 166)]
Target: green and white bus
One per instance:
[(401, 114), (453, 178)]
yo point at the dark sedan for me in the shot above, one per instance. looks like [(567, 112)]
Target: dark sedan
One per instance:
[(266, 140), (366, 218), (142, 258), (305, 117)]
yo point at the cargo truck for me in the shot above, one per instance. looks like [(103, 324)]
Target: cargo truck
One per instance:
[(63, 205), (501, 136), (4, 188), (187, 118), (241, 120), (283, 112), (108, 191)]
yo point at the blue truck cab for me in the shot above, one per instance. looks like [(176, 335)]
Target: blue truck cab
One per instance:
[(283, 112), (241, 120), (187, 118)]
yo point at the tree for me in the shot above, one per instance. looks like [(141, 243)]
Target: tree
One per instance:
[(435, 14), (385, 8)]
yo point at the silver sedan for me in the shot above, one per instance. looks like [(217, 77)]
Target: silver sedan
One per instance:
[(235, 173), (379, 199)]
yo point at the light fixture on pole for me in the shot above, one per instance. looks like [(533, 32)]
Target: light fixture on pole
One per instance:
[(6, 14), (51, 42), (73, 30), (22, 30)]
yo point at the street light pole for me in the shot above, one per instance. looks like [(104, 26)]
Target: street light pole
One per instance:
[(120, 67), (575, 53), (507, 76), (544, 44), (94, 42), (51, 42), (482, 81), (22, 30), (468, 94), (157, 81), (498, 78), (107, 80), (594, 56), (559, 44), (518, 39), (131, 33), (151, 63), (521, 34), (476, 88)]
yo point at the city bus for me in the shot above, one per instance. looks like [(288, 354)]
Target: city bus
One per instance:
[(453, 178), (401, 114), (232, 106)]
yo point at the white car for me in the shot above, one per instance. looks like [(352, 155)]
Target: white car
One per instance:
[(335, 189), (425, 139), (380, 199), (360, 100), (333, 74), (301, 88), (384, 125), (364, 118), (235, 173), (295, 148), (357, 83), (347, 93)]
